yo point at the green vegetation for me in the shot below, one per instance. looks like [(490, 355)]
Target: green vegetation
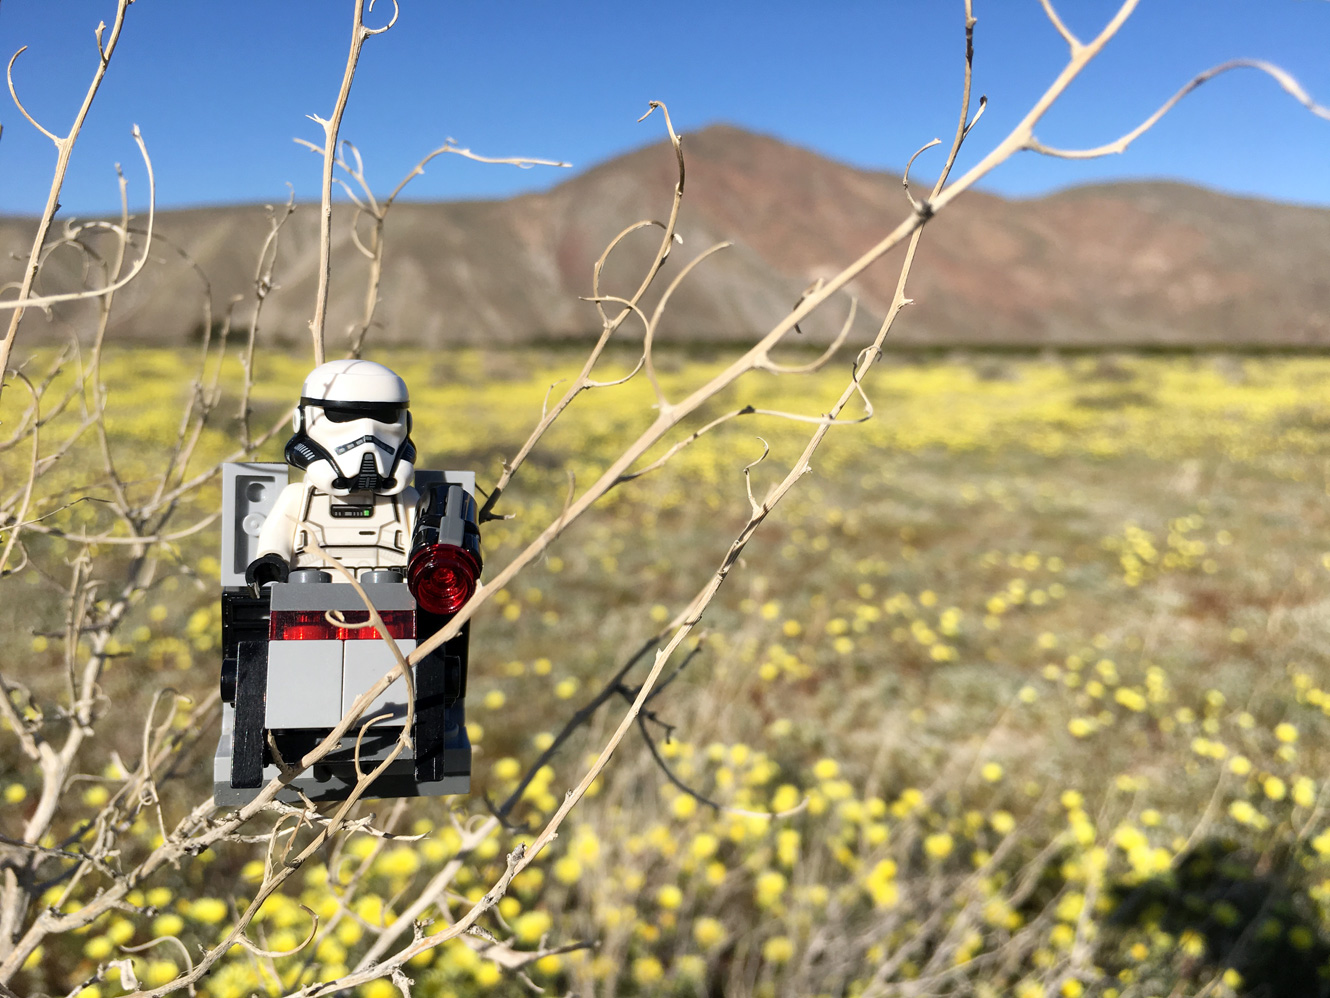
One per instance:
[(1031, 668)]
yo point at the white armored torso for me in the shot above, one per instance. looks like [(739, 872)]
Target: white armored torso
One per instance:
[(362, 531)]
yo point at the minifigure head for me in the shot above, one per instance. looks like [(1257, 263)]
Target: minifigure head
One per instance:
[(353, 430)]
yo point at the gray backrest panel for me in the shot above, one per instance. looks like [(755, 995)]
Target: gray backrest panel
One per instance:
[(248, 494)]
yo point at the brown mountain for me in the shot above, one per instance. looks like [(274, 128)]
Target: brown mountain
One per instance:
[(1116, 265)]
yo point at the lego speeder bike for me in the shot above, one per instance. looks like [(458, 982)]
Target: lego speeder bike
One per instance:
[(296, 648)]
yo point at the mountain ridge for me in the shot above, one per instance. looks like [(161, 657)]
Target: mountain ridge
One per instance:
[(1149, 263)]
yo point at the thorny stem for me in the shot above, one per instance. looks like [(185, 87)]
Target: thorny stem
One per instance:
[(64, 149), (609, 326), (331, 127)]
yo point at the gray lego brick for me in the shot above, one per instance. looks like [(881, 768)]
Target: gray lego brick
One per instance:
[(221, 761), (248, 493), (364, 664), (425, 477), (339, 596), (453, 530), (304, 684)]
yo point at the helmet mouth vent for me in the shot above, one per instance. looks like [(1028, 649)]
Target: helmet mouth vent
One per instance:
[(368, 479)]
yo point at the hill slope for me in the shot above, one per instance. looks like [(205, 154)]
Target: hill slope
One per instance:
[(1120, 264)]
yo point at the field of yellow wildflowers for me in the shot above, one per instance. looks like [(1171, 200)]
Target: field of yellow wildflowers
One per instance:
[(1023, 692)]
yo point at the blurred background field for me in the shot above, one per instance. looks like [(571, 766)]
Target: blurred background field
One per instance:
[(1034, 656)]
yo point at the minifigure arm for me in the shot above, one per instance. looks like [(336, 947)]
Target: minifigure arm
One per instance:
[(277, 537)]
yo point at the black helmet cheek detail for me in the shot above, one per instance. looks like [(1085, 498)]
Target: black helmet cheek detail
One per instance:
[(301, 452), (406, 452)]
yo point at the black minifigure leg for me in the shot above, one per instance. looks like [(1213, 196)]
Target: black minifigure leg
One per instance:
[(436, 688), (247, 742)]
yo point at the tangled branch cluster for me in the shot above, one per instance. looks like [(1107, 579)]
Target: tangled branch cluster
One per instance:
[(115, 534)]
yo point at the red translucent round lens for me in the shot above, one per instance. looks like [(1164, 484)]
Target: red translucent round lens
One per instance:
[(442, 577)]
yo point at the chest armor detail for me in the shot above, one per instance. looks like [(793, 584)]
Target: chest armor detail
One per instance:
[(359, 535)]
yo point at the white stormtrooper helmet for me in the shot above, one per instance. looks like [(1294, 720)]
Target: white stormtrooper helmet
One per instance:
[(353, 430)]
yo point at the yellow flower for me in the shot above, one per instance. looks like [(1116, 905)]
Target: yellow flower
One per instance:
[(769, 887), (349, 931), (1130, 698), (785, 797), (567, 870), (826, 769), (98, 948), (647, 970), (400, 862), (1286, 733), (881, 884), (1242, 811), (169, 924), (991, 772), (938, 845), (507, 768), (684, 806), (1304, 791), (708, 932), (531, 925), (691, 967), (778, 950), (1274, 788), (669, 897), (1070, 906)]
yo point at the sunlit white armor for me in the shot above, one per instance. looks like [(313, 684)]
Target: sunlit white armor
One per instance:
[(362, 530)]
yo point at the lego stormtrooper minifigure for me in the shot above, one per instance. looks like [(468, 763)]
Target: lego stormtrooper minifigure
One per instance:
[(353, 442), (296, 649)]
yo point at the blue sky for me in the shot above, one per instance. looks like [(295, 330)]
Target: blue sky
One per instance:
[(221, 88)]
